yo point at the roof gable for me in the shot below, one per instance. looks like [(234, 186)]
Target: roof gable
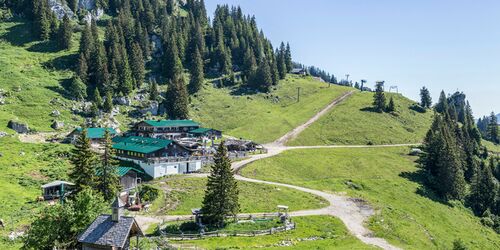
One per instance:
[(104, 232), (172, 123), (139, 144)]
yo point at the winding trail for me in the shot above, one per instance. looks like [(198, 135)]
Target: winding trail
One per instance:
[(353, 213)]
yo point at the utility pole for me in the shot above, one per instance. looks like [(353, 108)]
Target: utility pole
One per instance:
[(298, 94), (347, 77)]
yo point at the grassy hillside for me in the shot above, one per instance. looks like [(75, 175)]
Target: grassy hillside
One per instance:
[(388, 179), (262, 117), (23, 168), (353, 122), (183, 194), (313, 232), (32, 73)]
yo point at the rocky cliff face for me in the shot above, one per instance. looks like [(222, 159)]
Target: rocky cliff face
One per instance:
[(60, 9)]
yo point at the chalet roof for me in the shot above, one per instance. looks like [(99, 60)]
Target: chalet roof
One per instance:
[(105, 232), (297, 70), (172, 123), (122, 170), (57, 183), (201, 130), (144, 145), (97, 133)]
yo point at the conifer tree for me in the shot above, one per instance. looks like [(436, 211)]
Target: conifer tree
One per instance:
[(86, 42), (379, 100), (83, 68), (65, 33), (263, 78), (41, 17), (154, 94), (170, 7), (97, 98), (126, 85), (77, 89), (281, 62), (425, 98), (176, 100), (288, 58), (108, 181), (249, 66), (391, 107), (221, 194), (172, 62), (492, 129), (73, 5), (483, 190), (442, 105), (137, 63), (83, 159), (108, 102), (222, 56), (197, 76)]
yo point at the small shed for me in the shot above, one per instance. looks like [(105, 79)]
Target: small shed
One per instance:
[(129, 177), (94, 134), (299, 71), (56, 189), (241, 145), (110, 231)]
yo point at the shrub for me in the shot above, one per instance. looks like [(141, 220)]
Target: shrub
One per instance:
[(149, 193)]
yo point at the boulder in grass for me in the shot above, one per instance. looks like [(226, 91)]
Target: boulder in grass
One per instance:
[(55, 113), (57, 125), (20, 128)]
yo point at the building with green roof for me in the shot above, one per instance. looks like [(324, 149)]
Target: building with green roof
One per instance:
[(168, 129), (94, 134), (206, 133)]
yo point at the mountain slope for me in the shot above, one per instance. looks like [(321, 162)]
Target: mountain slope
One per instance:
[(353, 122)]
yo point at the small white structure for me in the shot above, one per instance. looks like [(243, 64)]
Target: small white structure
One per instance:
[(160, 169)]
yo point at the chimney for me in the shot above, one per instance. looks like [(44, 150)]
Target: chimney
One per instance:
[(117, 207)]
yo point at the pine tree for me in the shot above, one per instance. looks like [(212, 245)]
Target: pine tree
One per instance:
[(379, 100), (97, 99), (391, 107), (442, 105), (108, 102), (281, 61), (197, 76), (73, 5), (263, 78), (221, 195), (84, 160), (137, 63), (288, 58), (249, 66), (83, 68), (86, 42), (492, 129), (77, 89), (108, 181), (126, 85), (170, 7), (425, 98), (172, 63), (483, 189), (65, 33), (222, 55), (176, 100), (154, 94), (41, 17)]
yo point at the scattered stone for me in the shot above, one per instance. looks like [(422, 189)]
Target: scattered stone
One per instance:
[(115, 111), (18, 127), (416, 151), (2, 101), (14, 235), (57, 125), (140, 97), (22, 153), (55, 113), (17, 89), (2, 134), (122, 101)]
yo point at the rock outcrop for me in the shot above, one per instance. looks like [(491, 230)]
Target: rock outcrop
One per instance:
[(18, 127)]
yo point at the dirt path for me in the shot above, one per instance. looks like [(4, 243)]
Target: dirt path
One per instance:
[(352, 212), (296, 131)]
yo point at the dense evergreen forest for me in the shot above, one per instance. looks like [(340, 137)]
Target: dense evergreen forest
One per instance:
[(455, 164), (166, 42)]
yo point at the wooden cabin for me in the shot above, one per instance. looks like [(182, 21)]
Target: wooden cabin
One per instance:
[(165, 129), (56, 189), (96, 135), (207, 133)]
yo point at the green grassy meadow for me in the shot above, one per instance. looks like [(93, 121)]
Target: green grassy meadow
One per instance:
[(313, 232), (32, 74), (410, 216), (183, 194), (258, 116), (23, 169), (352, 122)]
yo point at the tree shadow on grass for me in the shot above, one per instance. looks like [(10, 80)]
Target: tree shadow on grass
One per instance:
[(369, 109), (418, 108), (66, 62), (48, 46), (19, 35), (62, 89), (423, 190)]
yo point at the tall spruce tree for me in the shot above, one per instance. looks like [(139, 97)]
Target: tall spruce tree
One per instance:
[(379, 100), (221, 195), (442, 105), (176, 101), (77, 89), (107, 106), (263, 78), (108, 181), (154, 94), (42, 18), (65, 33), (84, 160), (483, 190), (197, 76), (425, 98), (391, 107), (137, 64), (288, 58), (492, 129), (83, 68)]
